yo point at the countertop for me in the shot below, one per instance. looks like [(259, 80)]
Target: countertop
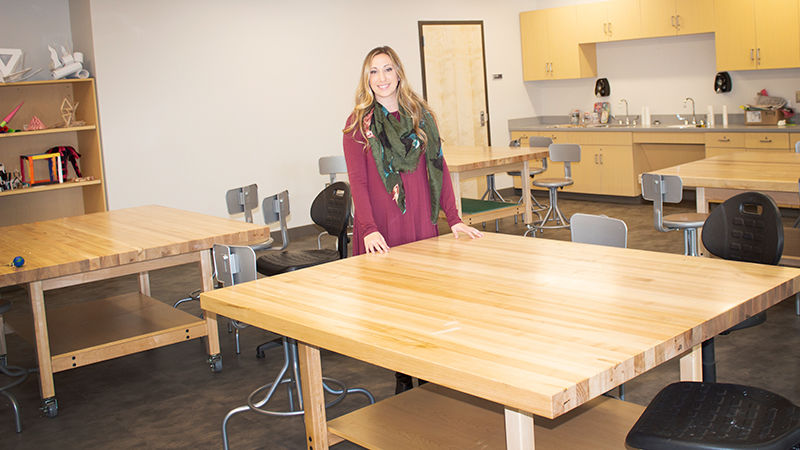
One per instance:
[(669, 124)]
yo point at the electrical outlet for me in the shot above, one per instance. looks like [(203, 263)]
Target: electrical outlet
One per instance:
[(797, 96)]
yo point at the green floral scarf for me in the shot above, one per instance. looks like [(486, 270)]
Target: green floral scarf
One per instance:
[(396, 148)]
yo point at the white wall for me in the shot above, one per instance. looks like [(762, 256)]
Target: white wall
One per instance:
[(198, 96), (32, 25)]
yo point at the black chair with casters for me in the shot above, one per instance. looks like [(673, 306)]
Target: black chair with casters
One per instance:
[(746, 227), (535, 141), (17, 374), (331, 211), (691, 415)]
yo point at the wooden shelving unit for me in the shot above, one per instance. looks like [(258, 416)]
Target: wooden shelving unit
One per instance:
[(48, 201)]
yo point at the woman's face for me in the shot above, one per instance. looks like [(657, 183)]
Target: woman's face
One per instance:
[(383, 78)]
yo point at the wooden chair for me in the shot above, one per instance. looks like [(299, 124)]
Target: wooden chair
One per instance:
[(566, 153), (661, 189)]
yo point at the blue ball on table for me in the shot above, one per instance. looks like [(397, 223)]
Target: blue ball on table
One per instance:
[(18, 261)]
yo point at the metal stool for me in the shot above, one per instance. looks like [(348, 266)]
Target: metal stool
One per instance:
[(566, 153), (661, 189), (535, 141)]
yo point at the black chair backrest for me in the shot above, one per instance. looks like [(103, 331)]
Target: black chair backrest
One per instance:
[(331, 211), (745, 227)]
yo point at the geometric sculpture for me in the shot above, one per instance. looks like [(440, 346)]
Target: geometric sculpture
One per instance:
[(54, 165)]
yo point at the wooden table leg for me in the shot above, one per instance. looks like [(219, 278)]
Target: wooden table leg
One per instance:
[(144, 283), (526, 193), (313, 397), (692, 365), (456, 179), (46, 385), (212, 330), (519, 428)]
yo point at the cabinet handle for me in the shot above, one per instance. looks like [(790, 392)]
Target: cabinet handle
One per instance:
[(609, 29), (601, 159), (605, 28), (672, 21), (751, 54), (724, 140), (765, 141), (595, 159), (758, 55), (678, 21)]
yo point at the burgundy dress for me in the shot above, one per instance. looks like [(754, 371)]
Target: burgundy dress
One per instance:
[(374, 209)]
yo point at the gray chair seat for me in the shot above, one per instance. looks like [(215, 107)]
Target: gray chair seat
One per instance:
[(535, 171), (553, 182), (684, 220)]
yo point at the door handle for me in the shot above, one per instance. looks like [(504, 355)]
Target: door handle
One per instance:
[(483, 119)]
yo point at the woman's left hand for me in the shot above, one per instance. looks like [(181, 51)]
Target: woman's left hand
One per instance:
[(461, 227)]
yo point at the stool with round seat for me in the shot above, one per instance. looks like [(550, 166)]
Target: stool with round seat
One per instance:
[(661, 189), (566, 153)]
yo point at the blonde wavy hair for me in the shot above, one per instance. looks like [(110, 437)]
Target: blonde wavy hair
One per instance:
[(407, 99)]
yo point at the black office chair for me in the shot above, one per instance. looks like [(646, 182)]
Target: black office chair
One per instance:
[(746, 227), (690, 415)]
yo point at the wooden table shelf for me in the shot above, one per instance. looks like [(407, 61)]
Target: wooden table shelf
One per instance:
[(97, 330), (436, 417)]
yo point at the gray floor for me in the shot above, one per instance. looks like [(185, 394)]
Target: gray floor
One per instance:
[(168, 398)]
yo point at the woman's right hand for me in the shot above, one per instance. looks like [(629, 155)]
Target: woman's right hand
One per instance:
[(375, 243)]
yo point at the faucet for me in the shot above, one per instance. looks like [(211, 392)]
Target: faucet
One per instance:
[(627, 116), (694, 117)]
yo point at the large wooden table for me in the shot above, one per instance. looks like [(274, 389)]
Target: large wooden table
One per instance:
[(76, 250), (470, 162), (718, 178), (513, 331)]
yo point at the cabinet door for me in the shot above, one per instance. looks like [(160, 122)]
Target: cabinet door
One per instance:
[(563, 51), (592, 19), (535, 42), (777, 34), (659, 17), (694, 16), (586, 172), (735, 34), (624, 20), (616, 168)]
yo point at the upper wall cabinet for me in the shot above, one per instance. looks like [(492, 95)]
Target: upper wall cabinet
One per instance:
[(677, 17), (757, 34), (614, 20), (550, 50)]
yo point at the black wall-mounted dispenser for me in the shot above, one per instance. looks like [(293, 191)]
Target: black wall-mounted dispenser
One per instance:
[(602, 88), (722, 82)]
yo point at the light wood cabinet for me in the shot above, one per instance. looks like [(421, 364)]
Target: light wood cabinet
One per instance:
[(763, 34), (727, 143), (550, 50), (606, 165), (677, 17), (614, 20), (47, 201)]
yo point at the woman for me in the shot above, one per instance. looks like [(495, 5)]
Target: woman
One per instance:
[(398, 176)]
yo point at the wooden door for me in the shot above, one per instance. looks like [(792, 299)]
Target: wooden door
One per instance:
[(777, 34), (616, 167), (735, 38), (535, 45), (694, 16), (454, 84)]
